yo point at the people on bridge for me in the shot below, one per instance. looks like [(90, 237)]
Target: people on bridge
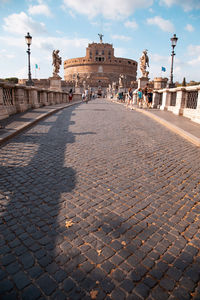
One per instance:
[(70, 95), (130, 96), (140, 98)]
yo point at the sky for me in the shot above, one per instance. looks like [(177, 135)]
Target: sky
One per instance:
[(130, 25)]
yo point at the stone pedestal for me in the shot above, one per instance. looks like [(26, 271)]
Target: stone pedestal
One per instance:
[(160, 83), (55, 83), (142, 82), (77, 90)]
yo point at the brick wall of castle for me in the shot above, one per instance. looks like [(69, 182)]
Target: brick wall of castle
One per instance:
[(100, 66)]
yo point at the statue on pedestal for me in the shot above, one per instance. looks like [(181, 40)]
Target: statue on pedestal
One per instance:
[(57, 61), (144, 63), (114, 85), (121, 77), (77, 80), (100, 37)]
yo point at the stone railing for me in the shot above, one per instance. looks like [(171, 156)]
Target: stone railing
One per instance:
[(16, 98), (181, 101)]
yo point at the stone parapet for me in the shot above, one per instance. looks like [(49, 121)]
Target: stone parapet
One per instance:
[(181, 101), (19, 98)]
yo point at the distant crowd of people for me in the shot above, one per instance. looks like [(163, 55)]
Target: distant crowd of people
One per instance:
[(144, 97)]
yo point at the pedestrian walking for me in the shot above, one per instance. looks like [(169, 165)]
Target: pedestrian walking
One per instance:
[(83, 96), (70, 95), (130, 95), (140, 98), (86, 95), (150, 98)]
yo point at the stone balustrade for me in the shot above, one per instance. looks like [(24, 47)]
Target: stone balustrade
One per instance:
[(15, 98), (183, 101)]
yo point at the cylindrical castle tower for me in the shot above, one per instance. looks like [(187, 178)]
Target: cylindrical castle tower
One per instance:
[(100, 67)]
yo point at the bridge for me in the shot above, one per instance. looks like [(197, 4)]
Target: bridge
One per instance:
[(98, 201)]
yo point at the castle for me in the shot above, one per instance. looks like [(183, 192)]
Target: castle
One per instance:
[(99, 67)]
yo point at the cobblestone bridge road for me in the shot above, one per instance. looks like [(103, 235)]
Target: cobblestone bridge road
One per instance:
[(99, 202)]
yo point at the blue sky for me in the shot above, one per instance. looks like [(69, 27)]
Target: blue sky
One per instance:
[(130, 25)]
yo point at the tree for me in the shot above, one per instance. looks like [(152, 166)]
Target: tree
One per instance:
[(12, 79), (184, 82)]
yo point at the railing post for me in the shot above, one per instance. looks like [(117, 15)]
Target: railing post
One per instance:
[(51, 98), (44, 97), (3, 111), (165, 100), (21, 103), (180, 101), (156, 97), (34, 97), (197, 116)]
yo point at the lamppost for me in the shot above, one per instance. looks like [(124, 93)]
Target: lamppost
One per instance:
[(174, 40), (28, 39)]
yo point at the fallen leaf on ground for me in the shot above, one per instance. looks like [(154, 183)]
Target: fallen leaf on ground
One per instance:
[(68, 224), (123, 243), (99, 252), (93, 294)]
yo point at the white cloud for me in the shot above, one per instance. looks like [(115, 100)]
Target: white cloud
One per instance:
[(131, 24), (186, 4), (189, 28), (4, 54), (120, 52), (194, 51), (21, 24), (165, 25), (111, 9), (40, 9), (121, 37)]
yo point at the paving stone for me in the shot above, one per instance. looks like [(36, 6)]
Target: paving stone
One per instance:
[(35, 271), (60, 275), (142, 290), (127, 285), (47, 284), (118, 294), (7, 259), (31, 293), (5, 286), (68, 285), (21, 280), (13, 268), (27, 260)]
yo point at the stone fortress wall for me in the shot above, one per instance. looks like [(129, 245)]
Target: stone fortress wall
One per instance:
[(100, 67)]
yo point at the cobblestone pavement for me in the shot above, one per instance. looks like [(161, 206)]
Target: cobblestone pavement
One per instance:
[(99, 202)]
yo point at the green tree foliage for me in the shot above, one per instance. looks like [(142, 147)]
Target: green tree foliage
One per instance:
[(12, 79)]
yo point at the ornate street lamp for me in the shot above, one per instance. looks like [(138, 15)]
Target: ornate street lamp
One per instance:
[(174, 40), (28, 39)]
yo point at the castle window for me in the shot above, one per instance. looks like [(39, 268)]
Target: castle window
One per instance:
[(102, 52), (129, 62), (97, 52), (90, 54)]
